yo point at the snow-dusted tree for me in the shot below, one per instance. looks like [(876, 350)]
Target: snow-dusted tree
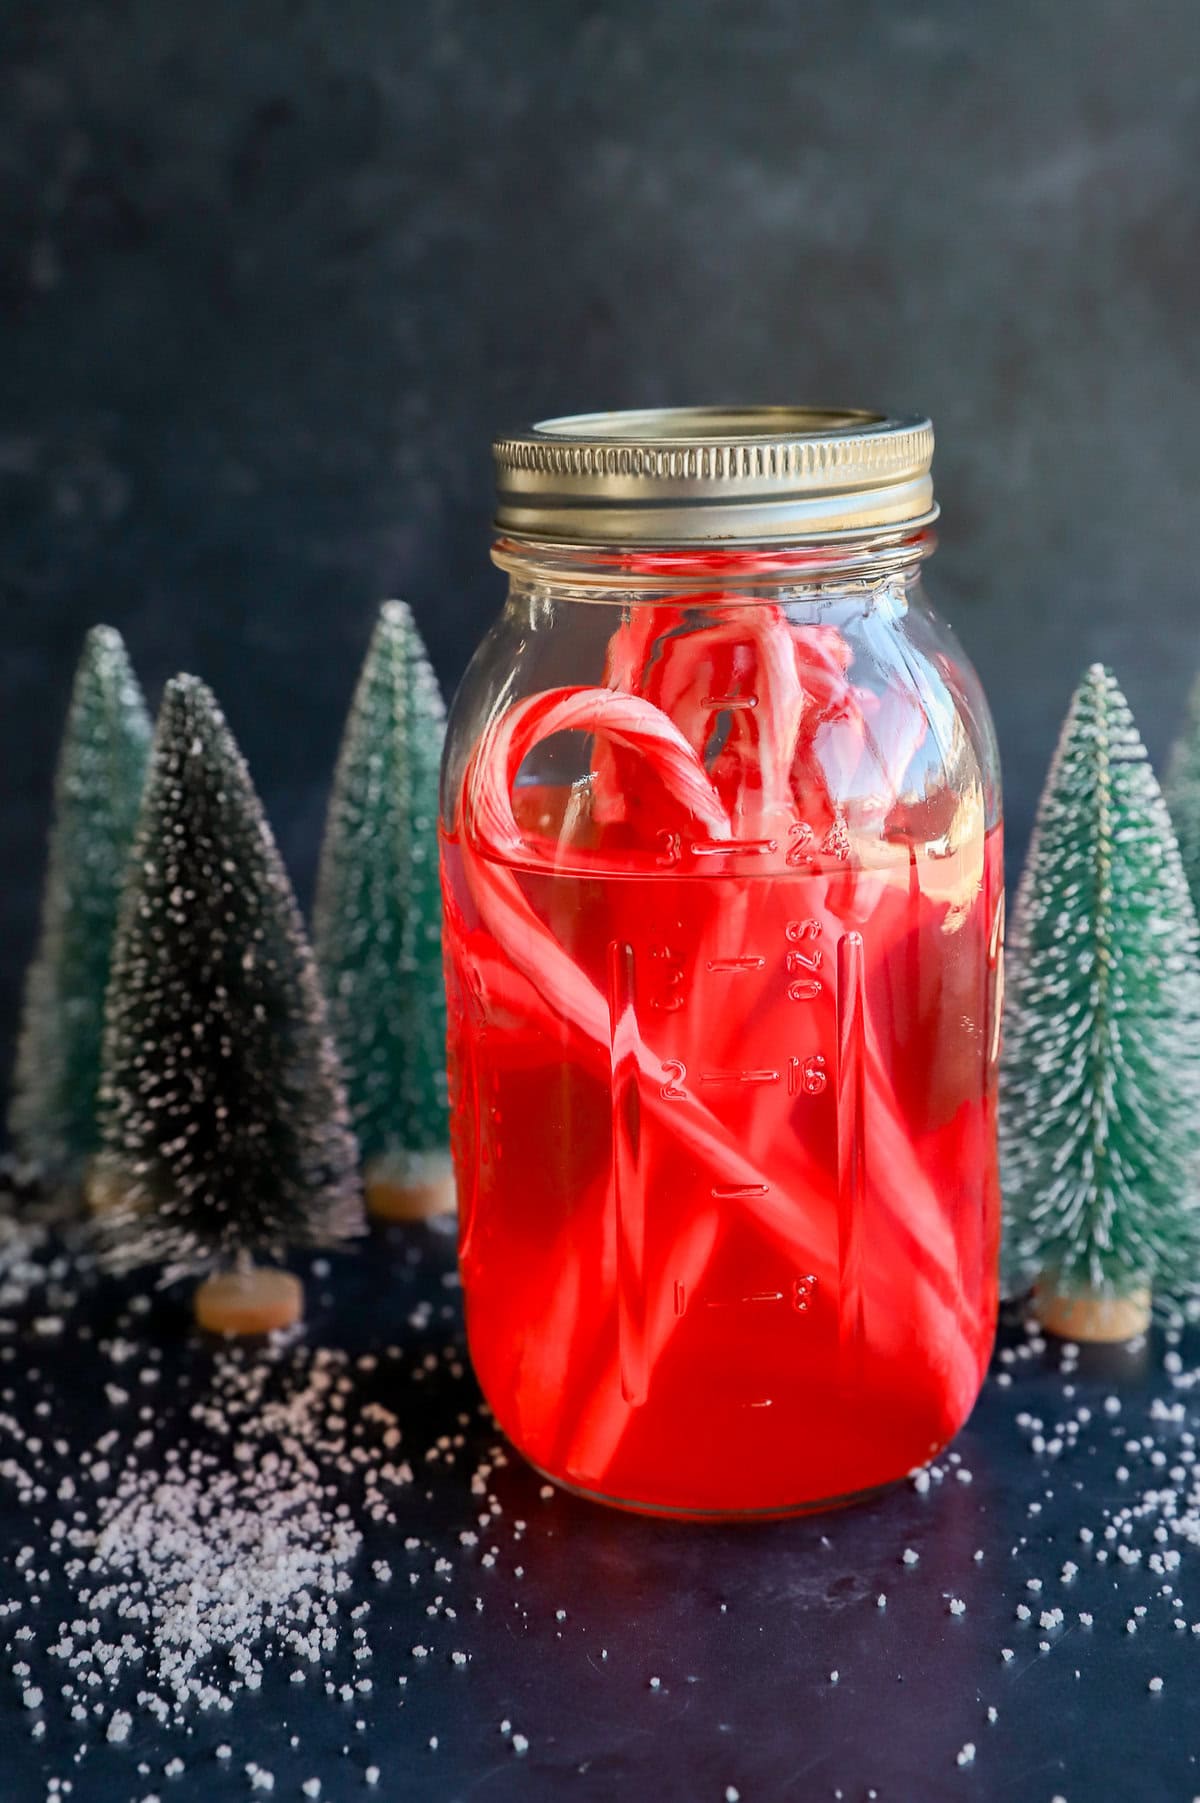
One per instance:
[(1100, 1127), (98, 788), (1182, 790), (225, 1125), (377, 923)]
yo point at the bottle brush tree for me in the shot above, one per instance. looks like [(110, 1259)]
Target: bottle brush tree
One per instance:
[(377, 924), (1182, 790), (1100, 1129), (226, 1135), (97, 792)]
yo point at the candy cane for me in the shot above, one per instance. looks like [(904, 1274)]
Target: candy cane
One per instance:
[(534, 951), (631, 723), (571, 997)]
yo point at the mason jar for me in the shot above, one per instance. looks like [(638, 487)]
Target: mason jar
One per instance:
[(721, 861)]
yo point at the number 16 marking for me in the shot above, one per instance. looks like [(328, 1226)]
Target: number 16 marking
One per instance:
[(807, 1076)]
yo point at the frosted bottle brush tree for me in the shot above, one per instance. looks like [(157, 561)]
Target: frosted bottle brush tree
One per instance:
[(226, 1135), (1099, 1079), (378, 923), (97, 792), (1182, 789)]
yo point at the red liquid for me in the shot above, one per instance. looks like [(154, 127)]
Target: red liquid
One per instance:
[(730, 1211)]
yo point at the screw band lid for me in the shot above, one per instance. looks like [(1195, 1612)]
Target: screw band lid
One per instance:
[(702, 475)]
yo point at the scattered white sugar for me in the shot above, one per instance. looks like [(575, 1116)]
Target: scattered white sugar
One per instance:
[(31, 1696), (372, 1774), (224, 1752), (174, 1767), (881, 1601), (1006, 1653), (229, 1548), (312, 1786), (909, 1557), (965, 1754), (420, 1652), (520, 1744), (957, 1606), (732, 1794), (546, 1492), (833, 1677), (1155, 1684), (993, 1714), (656, 1683)]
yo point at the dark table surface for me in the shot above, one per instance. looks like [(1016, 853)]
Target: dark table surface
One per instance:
[(582, 1609)]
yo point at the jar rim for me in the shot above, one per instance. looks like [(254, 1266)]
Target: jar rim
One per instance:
[(713, 475), (616, 570)]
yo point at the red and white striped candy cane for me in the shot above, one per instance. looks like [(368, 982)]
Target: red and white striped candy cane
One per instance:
[(625, 720)]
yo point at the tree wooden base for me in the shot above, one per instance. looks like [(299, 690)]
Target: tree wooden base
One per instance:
[(102, 1186), (394, 1194), (1093, 1318), (258, 1300)]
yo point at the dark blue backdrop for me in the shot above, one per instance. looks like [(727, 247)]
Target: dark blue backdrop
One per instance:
[(272, 272)]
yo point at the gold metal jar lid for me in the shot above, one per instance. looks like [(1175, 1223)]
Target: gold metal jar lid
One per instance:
[(699, 475)]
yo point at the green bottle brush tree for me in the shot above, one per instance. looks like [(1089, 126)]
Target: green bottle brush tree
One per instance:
[(377, 924), (1182, 790), (225, 1131), (1100, 1130), (97, 792)]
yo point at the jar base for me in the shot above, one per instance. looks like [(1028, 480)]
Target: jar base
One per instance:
[(824, 1505)]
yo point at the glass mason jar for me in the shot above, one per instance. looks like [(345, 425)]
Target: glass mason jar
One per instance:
[(721, 857)]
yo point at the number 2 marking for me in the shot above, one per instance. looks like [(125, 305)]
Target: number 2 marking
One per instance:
[(675, 1070), (801, 835)]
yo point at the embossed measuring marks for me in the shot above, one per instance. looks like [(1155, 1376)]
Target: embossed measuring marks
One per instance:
[(479, 1102), (798, 1296), (672, 847), (659, 978)]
